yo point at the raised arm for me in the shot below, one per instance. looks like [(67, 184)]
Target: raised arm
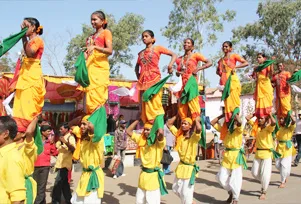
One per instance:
[(238, 120), (215, 120), (198, 126), (243, 63), (31, 130), (207, 64), (171, 121), (129, 130), (272, 119), (293, 120), (172, 61)]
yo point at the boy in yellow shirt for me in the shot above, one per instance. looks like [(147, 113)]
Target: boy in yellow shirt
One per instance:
[(186, 145), (28, 149), (151, 183), (12, 167), (285, 148), (262, 164), (230, 173), (90, 187)]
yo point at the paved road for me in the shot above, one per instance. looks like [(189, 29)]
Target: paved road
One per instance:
[(207, 190)]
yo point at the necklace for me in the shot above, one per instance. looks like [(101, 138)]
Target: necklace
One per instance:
[(184, 65), (146, 60), (94, 36)]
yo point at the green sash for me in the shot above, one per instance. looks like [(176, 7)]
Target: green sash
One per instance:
[(153, 90), (288, 143), (191, 90), (295, 77), (9, 42), (158, 123), (38, 140), (93, 183), (99, 120), (240, 159), (81, 75), (195, 170), (29, 190), (226, 91), (276, 155), (288, 119), (264, 65), (231, 124), (163, 189), (202, 140), (277, 127)]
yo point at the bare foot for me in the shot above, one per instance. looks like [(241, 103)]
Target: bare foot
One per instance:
[(234, 202), (193, 202), (262, 196), (229, 200), (282, 185)]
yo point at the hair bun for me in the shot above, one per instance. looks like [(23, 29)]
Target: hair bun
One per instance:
[(40, 30)]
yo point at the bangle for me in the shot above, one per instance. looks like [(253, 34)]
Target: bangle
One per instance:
[(102, 49)]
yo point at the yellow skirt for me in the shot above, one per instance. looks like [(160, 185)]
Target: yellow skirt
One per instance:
[(30, 91), (99, 76), (152, 108), (263, 97), (193, 106), (233, 101), (283, 105)]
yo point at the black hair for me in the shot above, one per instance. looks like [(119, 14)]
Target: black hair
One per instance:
[(191, 40), (229, 43), (45, 128), (261, 54), (102, 16), (65, 125), (8, 123), (36, 23), (151, 33)]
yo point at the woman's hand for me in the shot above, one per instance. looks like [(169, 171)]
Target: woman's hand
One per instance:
[(169, 69), (90, 49)]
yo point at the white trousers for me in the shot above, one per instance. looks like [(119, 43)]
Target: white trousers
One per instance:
[(184, 190), (148, 197), (284, 166), (92, 198), (230, 180), (262, 171)]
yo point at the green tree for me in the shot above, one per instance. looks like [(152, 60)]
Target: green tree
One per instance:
[(277, 30), (6, 64), (198, 19), (126, 33)]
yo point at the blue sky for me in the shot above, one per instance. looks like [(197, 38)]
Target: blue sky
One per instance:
[(62, 19)]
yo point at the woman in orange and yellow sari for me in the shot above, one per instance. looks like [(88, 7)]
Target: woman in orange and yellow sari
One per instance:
[(226, 68), (149, 74), (99, 47), (187, 67), (30, 87), (263, 95), (283, 91)]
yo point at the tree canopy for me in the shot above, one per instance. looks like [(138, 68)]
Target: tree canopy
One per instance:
[(126, 33), (197, 19)]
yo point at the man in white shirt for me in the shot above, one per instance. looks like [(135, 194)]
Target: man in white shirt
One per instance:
[(298, 138)]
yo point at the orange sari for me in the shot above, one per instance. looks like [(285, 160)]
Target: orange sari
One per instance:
[(98, 72), (263, 95), (188, 66), (224, 69), (283, 93), (30, 87), (148, 60)]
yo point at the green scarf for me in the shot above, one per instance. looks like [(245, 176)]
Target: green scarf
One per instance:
[(38, 140), (288, 143), (295, 77), (288, 119), (195, 170), (231, 124), (202, 140), (276, 155), (93, 183), (29, 190), (9, 42), (99, 120), (240, 159), (81, 75), (191, 90), (153, 90), (162, 184), (277, 127), (227, 88), (264, 65), (158, 124)]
